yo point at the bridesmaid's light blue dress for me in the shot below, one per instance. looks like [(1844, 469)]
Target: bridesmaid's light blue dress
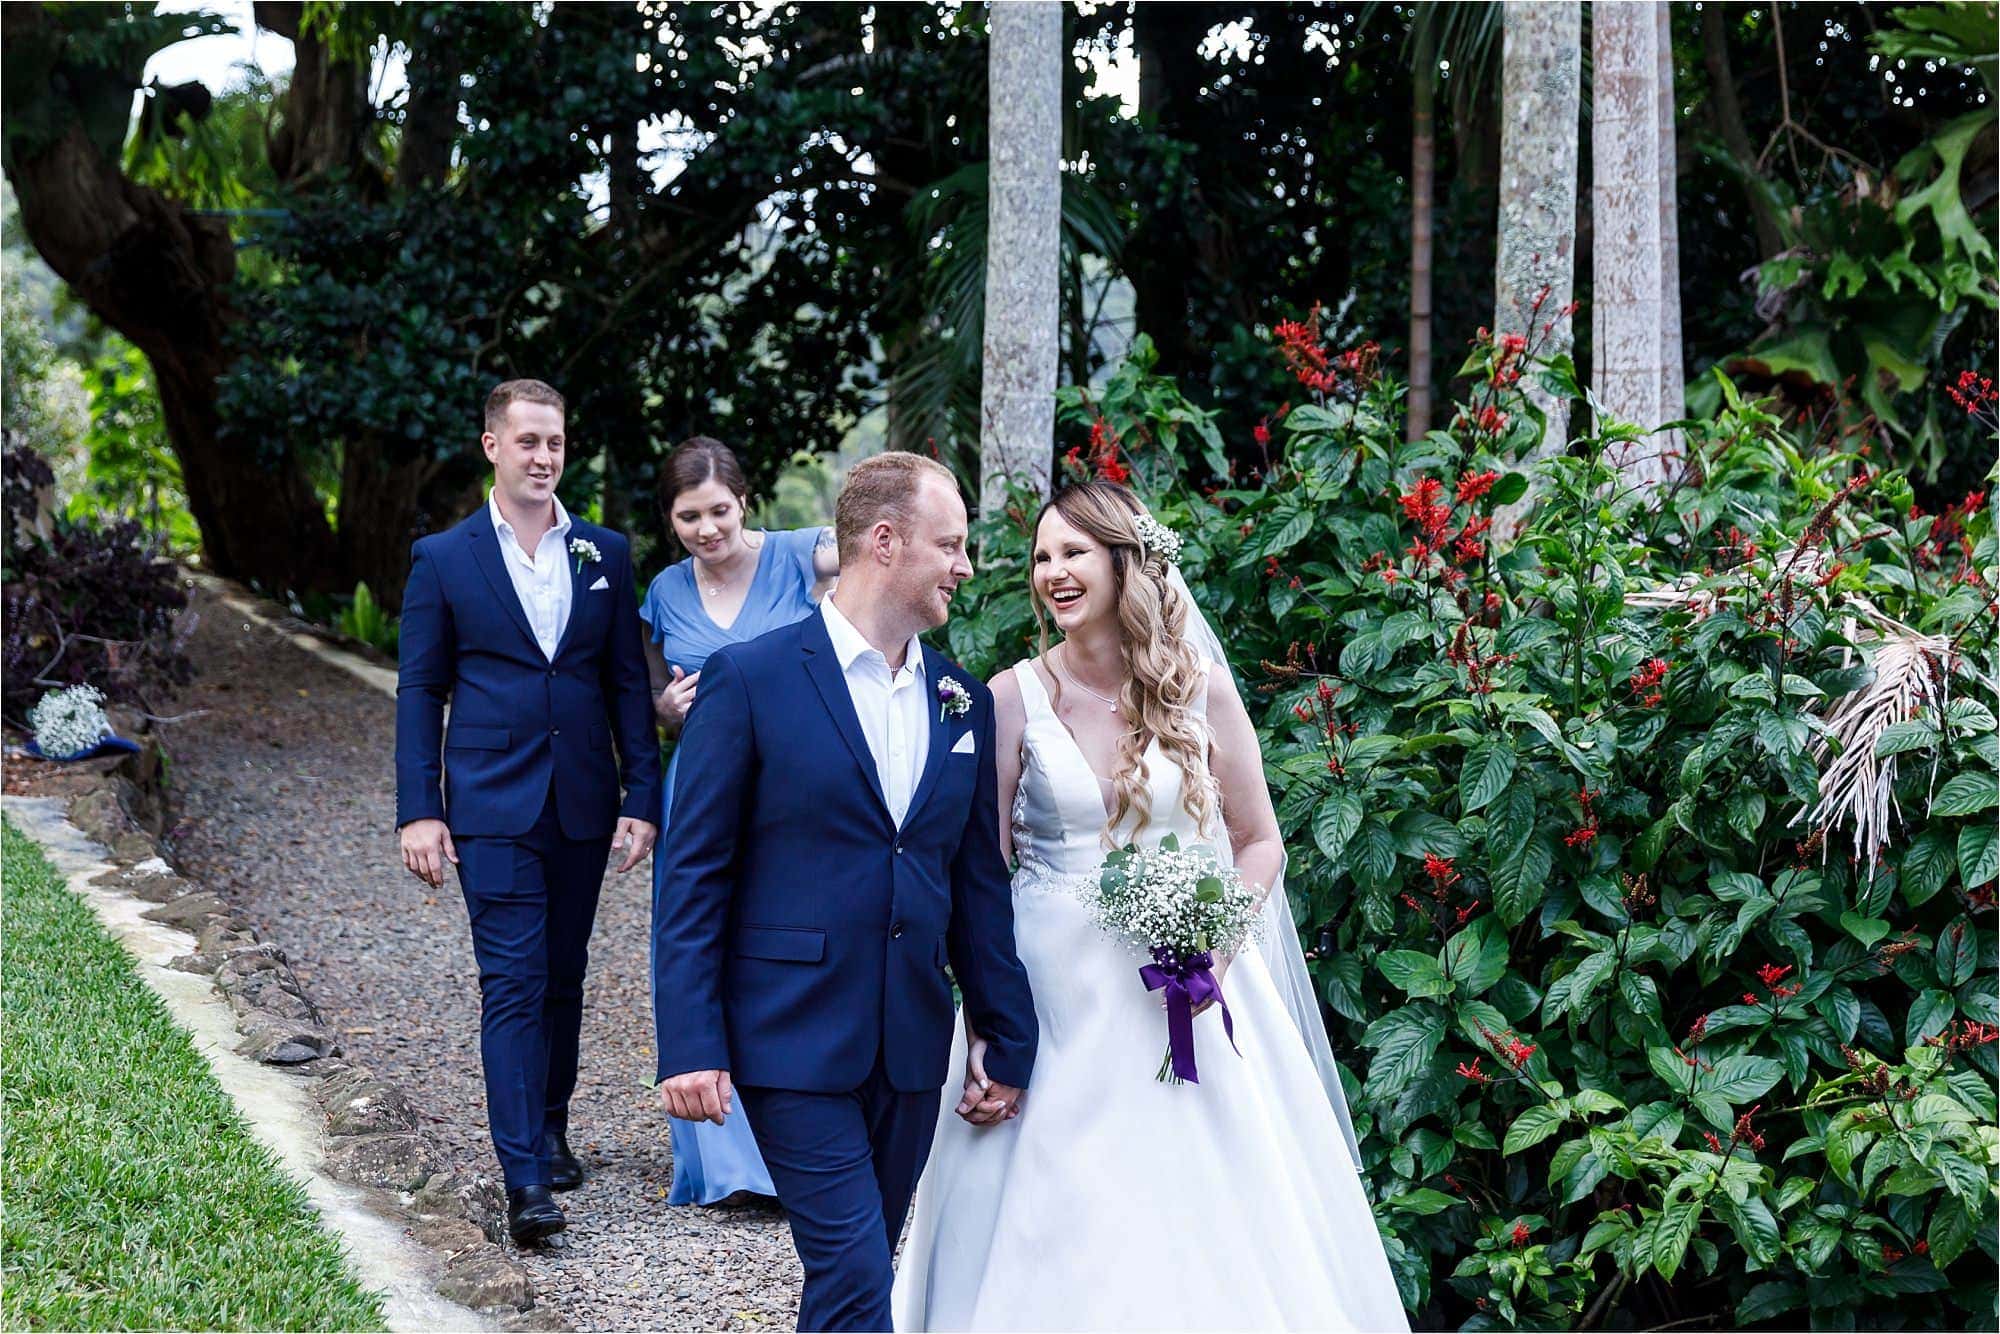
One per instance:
[(712, 1162)]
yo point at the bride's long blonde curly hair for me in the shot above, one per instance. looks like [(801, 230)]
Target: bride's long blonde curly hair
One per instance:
[(1164, 682)]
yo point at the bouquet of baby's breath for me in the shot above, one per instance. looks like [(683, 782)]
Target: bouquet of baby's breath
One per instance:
[(1183, 905), (68, 721)]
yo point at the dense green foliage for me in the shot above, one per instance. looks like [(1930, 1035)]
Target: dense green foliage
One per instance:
[(135, 1197), (1643, 1038), (766, 224)]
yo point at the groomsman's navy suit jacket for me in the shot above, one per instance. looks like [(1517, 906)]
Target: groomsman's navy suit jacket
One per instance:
[(520, 722), (798, 934)]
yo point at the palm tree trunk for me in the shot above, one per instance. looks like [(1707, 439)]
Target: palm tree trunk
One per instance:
[(1625, 217), (1023, 248), (1423, 171), (1673, 391), (1541, 64)]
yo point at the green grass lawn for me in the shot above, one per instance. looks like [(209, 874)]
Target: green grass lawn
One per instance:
[(134, 1196)]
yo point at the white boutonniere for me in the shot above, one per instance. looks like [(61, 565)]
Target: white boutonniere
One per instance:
[(585, 551), (954, 700)]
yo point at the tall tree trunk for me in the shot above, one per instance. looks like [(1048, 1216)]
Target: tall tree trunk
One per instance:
[(1625, 213), (1673, 390), (160, 276), (1162, 254), (1540, 85), (1423, 171), (1023, 246), (1727, 112)]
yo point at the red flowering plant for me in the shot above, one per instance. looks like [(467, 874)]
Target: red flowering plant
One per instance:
[(1619, 811)]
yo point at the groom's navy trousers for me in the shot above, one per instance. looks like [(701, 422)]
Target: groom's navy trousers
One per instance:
[(527, 780), (801, 938)]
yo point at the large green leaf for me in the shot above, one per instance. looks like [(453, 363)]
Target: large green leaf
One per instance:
[(1403, 1042), (1531, 1128), (1978, 855), (1957, 952), (1413, 972), (1925, 867), (1741, 1077), (1334, 823), (1967, 794), (1488, 766)]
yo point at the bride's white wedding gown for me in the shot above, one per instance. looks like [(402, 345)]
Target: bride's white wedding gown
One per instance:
[(1114, 1201)]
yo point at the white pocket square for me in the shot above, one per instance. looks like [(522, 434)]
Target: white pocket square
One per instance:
[(964, 746), (602, 582)]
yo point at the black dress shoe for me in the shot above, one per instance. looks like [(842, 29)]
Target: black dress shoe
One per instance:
[(565, 1172), (532, 1214)]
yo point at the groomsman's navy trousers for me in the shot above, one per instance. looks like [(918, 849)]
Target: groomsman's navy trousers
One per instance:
[(532, 901), (845, 1165)]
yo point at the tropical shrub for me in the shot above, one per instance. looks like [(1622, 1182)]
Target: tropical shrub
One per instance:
[(1649, 856)]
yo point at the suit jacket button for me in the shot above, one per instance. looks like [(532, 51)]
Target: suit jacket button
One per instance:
[(555, 731), (899, 849), (896, 931)]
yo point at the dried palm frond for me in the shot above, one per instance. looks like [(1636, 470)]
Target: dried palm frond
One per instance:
[(1911, 677), (1802, 564)]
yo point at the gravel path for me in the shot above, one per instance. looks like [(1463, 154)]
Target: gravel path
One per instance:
[(285, 790)]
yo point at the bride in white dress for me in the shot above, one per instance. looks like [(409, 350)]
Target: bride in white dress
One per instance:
[(1114, 1201)]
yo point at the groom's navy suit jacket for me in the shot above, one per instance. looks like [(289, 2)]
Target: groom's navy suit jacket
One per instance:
[(521, 723), (798, 935)]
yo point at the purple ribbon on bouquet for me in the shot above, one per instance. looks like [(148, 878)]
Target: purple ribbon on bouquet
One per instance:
[(1189, 982)]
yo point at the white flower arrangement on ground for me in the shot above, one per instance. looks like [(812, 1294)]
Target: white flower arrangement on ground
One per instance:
[(69, 721), (1185, 907)]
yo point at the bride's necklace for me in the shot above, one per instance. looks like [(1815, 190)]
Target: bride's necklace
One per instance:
[(1069, 677)]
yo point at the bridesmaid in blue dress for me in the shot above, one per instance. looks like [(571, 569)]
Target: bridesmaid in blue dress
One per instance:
[(734, 585)]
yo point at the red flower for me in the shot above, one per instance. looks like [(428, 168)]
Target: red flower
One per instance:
[(1440, 869), (1713, 1143), (1697, 1030), (1261, 432), (1520, 1234), (1473, 1072), (1326, 692), (1581, 838), (1771, 974), (1111, 470), (1473, 485), (1745, 1133), (1304, 714)]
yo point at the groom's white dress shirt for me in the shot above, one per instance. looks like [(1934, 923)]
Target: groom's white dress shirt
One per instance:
[(541, 581), (894, 708)]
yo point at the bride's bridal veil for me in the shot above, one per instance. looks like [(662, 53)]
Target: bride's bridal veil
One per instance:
[(1278, 939)]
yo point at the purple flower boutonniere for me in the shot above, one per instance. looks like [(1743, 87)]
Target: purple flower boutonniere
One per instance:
[(954, 700)]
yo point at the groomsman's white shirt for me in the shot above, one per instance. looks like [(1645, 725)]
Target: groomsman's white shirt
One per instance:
[(541, 581), (893, 707)]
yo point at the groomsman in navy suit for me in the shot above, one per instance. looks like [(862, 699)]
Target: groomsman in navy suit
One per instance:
[(524, 620), (836, 846)]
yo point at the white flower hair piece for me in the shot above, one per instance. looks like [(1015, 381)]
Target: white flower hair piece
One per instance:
[(1157, 538)]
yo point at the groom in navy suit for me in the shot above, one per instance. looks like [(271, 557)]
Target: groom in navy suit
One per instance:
[(836, 846), (523, 619)]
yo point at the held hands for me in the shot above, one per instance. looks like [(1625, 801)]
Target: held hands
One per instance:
[(426, 848), (635, 836), (985, 1103), (672, 703), (698, 1095)]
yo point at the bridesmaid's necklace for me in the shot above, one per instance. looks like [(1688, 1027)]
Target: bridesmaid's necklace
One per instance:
[(1067, 676), (716, 590)]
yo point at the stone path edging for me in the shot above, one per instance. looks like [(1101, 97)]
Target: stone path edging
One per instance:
[(429, 1240)]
